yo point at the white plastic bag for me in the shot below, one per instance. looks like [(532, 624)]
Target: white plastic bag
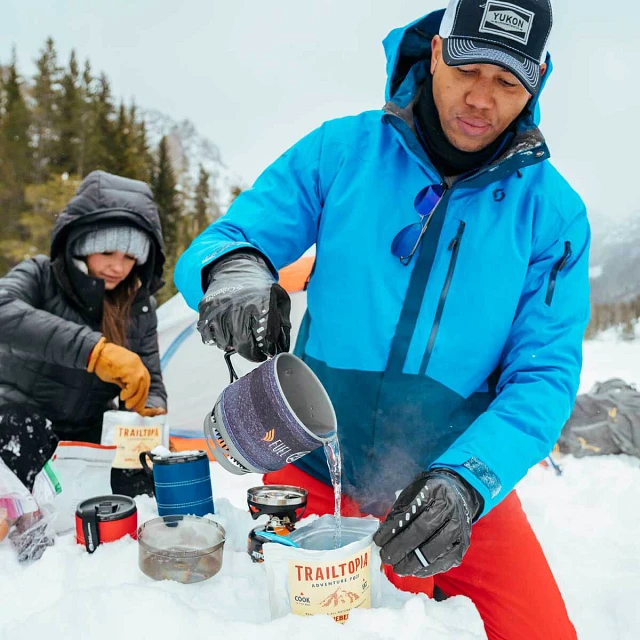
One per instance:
[(77, 471), (132, 434), (318, 579)]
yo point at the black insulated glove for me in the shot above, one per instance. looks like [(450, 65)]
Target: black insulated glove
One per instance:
[(428, 529), (245, 309)]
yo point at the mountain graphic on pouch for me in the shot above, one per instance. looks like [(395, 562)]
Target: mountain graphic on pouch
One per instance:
[(338, 597)]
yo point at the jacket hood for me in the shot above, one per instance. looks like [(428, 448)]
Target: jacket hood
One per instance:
[(103, 199), (408, 53)]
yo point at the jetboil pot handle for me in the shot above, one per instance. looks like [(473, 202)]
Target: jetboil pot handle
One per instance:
[(143, 461), (89, 518), (232, 372)]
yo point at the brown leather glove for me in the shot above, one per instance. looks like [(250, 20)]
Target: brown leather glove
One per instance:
[(120, 366)]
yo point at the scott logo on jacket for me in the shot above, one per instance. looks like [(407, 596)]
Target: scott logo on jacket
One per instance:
[(507, 20)]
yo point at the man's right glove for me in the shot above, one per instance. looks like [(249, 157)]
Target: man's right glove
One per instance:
[(428, 529), (245, 309), (120, 366)]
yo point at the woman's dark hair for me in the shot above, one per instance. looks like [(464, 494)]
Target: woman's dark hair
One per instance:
[(116, 309)]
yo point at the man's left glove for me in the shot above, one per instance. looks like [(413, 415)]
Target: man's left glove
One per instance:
[(244, 308), (428, 529)]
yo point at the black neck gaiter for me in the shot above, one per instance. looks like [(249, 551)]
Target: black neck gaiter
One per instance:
[(448, 160)]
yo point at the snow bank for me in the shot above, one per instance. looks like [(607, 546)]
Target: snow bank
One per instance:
[(70, 594), (587, 520)]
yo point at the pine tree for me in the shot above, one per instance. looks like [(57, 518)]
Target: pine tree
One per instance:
[(15, 162), (105, 129), (592, 327), (163, 184), (15, 120), (636, 307), (100, 143), (236, 190), (132, 157), (121, 144), (44, 204), (69, 120), (202, 204), (596, 318), (45, 97), (142, 158), (628, 322), (166, 196), (87, 128)]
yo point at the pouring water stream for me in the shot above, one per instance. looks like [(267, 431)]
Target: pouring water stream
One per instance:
[(334, 462)]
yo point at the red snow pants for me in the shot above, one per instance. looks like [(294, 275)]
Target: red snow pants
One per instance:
[(504, 571)]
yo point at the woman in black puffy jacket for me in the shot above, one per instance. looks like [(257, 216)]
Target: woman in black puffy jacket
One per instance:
[(78, 329)]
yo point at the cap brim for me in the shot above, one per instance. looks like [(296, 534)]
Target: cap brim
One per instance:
[(459, 51)]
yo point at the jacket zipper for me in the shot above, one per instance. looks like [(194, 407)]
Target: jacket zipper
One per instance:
[(557, 267), (454, 247), (401, 341)]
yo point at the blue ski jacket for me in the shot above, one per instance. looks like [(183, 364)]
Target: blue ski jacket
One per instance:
[(468, 357)]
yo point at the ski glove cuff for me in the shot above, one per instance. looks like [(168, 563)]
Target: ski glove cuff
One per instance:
[(428, 529), (245, 309)]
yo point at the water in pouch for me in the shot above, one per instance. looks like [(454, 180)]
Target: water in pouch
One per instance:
[(315, 579)]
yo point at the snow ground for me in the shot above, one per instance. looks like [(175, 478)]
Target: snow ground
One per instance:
[(587, 520)]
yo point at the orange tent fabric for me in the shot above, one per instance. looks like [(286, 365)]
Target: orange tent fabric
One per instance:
[(294, 277), (189, 444)]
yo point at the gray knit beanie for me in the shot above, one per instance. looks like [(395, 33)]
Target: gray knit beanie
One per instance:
[(123, 238)]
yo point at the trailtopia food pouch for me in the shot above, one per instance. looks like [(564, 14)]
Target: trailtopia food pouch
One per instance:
[(132, 434), (318, 579)]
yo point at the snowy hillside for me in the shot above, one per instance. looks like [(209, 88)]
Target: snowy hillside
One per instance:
[(188, 150), (615, 258), (587, 520)]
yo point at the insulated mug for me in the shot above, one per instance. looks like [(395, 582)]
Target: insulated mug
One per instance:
[(270, 417), (105, 519), (182, 483)]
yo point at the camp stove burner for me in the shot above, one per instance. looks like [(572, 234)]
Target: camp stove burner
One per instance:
[(284, 504)]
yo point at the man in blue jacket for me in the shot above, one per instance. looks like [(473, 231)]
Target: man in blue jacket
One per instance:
[(446, 308)]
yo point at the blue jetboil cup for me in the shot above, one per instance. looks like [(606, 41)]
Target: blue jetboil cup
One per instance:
[(182, 482)]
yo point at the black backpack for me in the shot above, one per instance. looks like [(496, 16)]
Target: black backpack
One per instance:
[(604, 421)]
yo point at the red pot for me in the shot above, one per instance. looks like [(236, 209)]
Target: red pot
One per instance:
[(105, 519)]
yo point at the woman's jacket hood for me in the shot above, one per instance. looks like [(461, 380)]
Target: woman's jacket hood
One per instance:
[(103, 199)]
